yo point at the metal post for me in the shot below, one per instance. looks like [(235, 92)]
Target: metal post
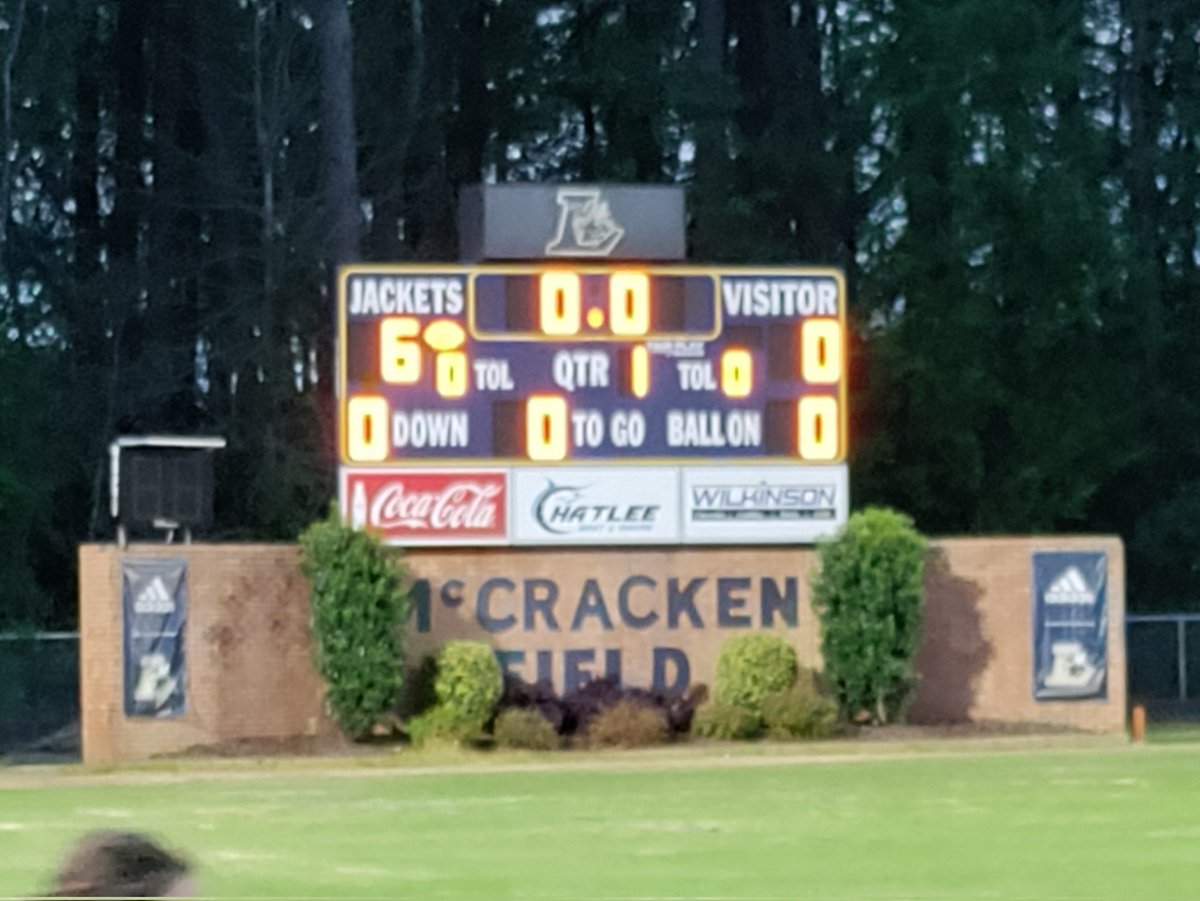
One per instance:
[(1181, 632)]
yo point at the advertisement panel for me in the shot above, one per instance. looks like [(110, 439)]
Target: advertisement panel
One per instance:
[(154, 598), (428, 506), (777, 505), (587, 505), (1070, 625)]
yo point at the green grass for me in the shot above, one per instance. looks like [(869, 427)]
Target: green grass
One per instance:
[(1172, 733), (1086, 821)]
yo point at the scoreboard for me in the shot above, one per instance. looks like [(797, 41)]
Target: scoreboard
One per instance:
[(602, 404)]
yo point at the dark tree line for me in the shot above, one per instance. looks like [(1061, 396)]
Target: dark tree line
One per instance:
[(1012, 186)]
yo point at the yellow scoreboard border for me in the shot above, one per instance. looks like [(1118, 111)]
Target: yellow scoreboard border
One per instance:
[(470, 273)]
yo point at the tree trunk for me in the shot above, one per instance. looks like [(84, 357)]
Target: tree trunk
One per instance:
[(764, 61), (10, 59), (132, 19), (172, 205), (339, 145), (711, 34), (84, 171), (469, 132), (1144, 202)]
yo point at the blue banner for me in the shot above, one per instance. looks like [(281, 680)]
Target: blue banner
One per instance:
[(154, 595), (1070, 625)]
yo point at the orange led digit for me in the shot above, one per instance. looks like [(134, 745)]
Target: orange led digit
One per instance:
[(546, 424), (639, 371), (451, 373), (817, 425), (367, 429), (399, 356), (559, 303), (821, 351), (629, 303), (737, 372)]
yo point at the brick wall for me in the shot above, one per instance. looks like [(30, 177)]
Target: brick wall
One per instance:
[(249, 664), (250, 673)]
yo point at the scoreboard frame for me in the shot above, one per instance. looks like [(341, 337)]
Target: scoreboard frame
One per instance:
[(697, 483), (470, 274)]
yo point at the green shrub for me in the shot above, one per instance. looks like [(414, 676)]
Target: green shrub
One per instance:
[(799, 712), (439, 724), (358, 603), (867, 594), (525, 729), (750, 667), (468, 681), (628, 724), (726, 721)]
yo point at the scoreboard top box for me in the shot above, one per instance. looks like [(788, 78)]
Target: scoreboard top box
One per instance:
[(539, 221), (569, 362)]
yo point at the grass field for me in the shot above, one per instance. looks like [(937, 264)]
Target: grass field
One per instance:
[(969, 820)]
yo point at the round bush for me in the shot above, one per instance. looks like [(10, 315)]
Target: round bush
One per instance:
[(526, 730), (438, 725), (728, 722), (750, 667), (799, 712), (628, 724), (468, 681)]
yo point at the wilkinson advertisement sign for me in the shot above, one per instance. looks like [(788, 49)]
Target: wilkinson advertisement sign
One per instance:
[(784, 505), (430, 506), (585, 505)]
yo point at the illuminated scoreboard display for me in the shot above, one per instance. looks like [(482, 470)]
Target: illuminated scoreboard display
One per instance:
[(585, 404)]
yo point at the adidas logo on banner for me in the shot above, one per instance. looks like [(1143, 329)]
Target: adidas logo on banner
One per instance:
[(1070, 588), (154, 598)]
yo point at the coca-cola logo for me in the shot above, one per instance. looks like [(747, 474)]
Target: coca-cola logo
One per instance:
[(459, 505)]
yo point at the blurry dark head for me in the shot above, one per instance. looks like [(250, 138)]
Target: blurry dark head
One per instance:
[(122, 865)]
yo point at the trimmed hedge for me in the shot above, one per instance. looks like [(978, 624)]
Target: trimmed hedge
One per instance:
[(358, 603), (628, 724), (468, 682), (868, 594), (751, 667), (539, 696), (572, 714), (440, 724), (728, 722), (799, 712), (525, 730)]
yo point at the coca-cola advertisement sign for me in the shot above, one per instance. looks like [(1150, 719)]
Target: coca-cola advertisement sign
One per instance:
[(443, 506)]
